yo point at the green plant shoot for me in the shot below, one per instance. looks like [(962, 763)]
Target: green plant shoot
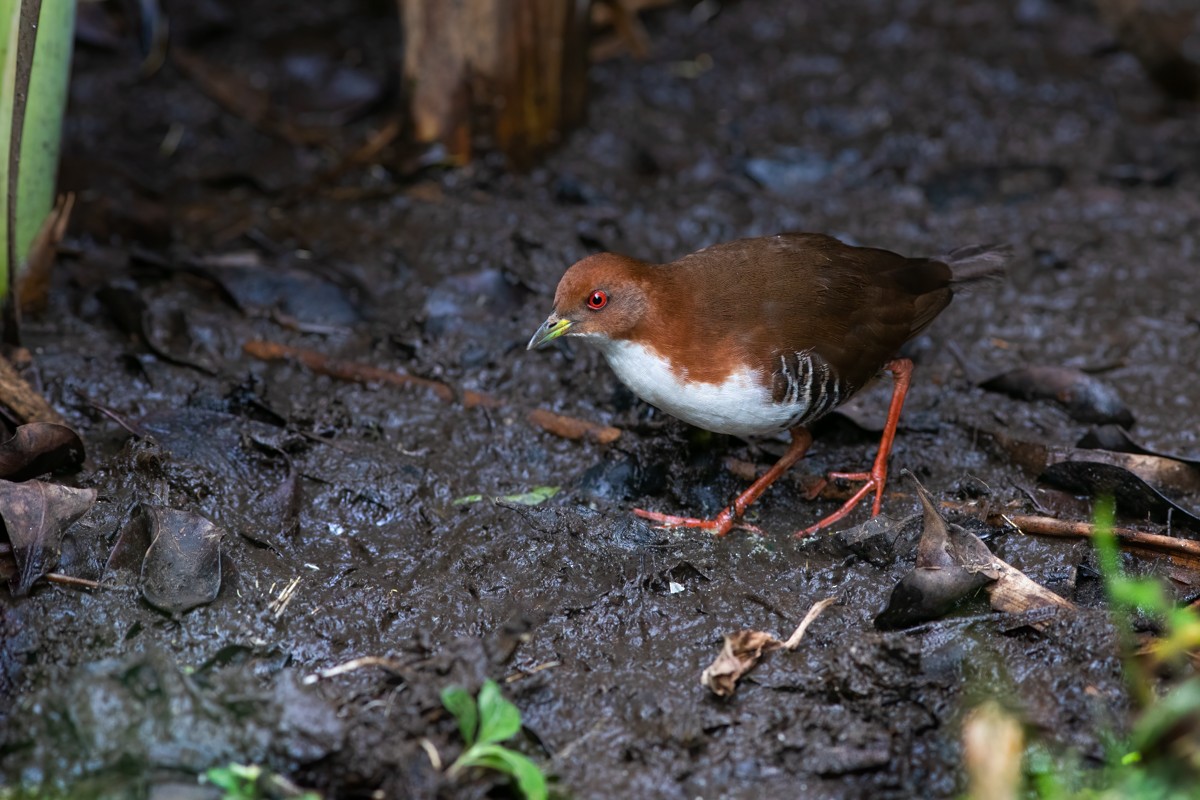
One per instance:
[(38, 111), (484, 723)]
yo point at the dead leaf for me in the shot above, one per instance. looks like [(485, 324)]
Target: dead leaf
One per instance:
[(36, 515), (182, 567), (952, 564), (740, 654), (1116, 439), (37, 448), (1133, 496), (256, 287), (744, 649), (129, 550), (164, 332), (35, 275), (1085, 397)]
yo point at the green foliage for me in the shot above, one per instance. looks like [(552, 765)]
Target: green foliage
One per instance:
[(535, 496), (1158, 760), (252, 782), (483, 725), (42, 129)]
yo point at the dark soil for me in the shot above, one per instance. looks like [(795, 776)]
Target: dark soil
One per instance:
[(917, 126)]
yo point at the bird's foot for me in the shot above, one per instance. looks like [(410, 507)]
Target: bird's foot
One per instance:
[(720, 525), (875, 479)]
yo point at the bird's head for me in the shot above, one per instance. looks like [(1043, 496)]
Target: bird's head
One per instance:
[(602, 296)]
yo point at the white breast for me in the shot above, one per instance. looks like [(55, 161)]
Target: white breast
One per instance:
[(740, 405)]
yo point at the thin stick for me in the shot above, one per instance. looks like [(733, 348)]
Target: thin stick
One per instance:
[(1049, 526), (525, 673), (353, 665), (812, 614), (573, 428), (555, 424), (70, 580)]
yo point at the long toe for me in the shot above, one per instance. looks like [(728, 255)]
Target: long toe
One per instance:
[(869, 484), (720, 525)]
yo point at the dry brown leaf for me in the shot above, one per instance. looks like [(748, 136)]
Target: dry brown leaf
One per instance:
[(740, 654), (744, 649)]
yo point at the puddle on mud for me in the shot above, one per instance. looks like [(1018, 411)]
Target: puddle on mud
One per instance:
[(918, 128)]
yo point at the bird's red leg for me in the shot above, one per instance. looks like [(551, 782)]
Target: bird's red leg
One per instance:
[(726, 521), (901, 369)]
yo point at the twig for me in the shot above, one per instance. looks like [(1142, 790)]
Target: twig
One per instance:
[(280, 603), (360, 373), (556, 424), (70, 580), (525, 673), (812, 614), (572, 427), (1049, 526), (389, 664)]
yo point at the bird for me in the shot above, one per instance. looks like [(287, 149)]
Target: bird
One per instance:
[(758, 336)]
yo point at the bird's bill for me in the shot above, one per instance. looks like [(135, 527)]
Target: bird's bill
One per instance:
[(551, 329)]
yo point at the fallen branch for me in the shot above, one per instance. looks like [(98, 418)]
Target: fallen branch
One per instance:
[(1138, 540), (71, 580)]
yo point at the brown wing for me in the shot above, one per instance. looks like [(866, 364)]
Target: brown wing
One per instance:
[(778, 295)]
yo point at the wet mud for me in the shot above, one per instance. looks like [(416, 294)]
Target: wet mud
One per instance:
[(913, 126)]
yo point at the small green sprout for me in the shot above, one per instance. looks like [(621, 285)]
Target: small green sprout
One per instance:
[(484, 724), (252, 782), (1167, 717), (535, 496)]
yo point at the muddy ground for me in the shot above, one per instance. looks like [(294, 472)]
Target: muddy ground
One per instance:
[(917, 126)]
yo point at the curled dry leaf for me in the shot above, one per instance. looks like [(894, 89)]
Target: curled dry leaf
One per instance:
[(36, 515), (164, 332), (741, 653), (952, 564), (1117, 439), (1158, 471), (744, 649), (37, 448), (1085, 397), (182, 567), (1133, 496)]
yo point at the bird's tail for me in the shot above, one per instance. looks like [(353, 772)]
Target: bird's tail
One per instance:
[(978, 263)]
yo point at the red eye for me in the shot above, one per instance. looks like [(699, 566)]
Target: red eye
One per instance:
[(598, 300)]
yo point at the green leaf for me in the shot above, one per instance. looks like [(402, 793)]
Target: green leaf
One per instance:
[(1166, 717), (45, 101), (459, 703), (529, 778), (535, 496), (498, 718), (1146, 595), (236, 780)]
